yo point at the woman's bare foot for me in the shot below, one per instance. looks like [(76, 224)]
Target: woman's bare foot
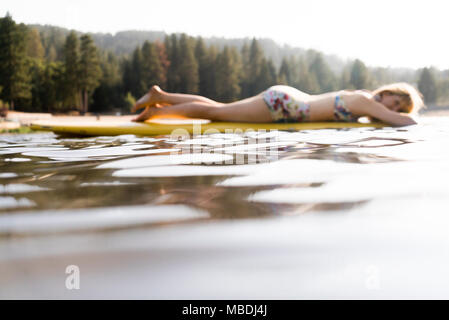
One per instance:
[(147, 113), (152, 97)]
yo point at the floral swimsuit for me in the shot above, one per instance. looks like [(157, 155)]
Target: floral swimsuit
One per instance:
[(285, 108), (341, 112)]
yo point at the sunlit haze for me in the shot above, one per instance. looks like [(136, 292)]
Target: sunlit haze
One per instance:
[(399, 33)]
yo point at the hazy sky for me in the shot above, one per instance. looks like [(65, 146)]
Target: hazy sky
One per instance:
[(406, 33)]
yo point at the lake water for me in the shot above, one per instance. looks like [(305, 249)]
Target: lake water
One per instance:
[(354, 213)]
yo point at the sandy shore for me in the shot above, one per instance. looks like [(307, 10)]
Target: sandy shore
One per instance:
[(25, 118)]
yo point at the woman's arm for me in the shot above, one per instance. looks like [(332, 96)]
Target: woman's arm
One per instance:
[(379, 111)]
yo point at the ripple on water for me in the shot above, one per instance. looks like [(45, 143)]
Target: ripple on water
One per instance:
[(367, 182), (173, 159), (17, 160), (101, 218), (89, 154), (19, 188), (7, 175), (291, 172), (11, 202), (185, 171)]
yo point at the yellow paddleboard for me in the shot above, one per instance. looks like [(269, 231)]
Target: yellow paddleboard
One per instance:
[(179, 127)]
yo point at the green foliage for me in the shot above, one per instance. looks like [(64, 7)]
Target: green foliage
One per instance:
[(324, 75), (285, 73), (71, 88), (35, 48), (52, 69), (187, 67), (443, 91), (359, 78), (19, 130), (427, 85), (380, 76), (4, 105), (89, 66), (164, 62), (301, 77), (130, 101), (173, 78), (108, 95), (89, 69), (228, 73), (204, 67), (152, 71), (14, 65), (253, 60), (267, 76)]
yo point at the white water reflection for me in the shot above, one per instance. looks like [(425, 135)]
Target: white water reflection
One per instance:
[(173, 159), (85, 154), (19, 188), (185, 171), (11, 202), (69, 220), (17, 159), (6, 175)]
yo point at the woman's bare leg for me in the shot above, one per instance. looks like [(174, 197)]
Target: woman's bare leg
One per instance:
[(157, 95), (251, 109)]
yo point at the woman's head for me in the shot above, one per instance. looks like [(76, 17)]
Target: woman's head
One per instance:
[(400, 97)]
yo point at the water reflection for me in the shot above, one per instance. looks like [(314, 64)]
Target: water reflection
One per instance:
[(265, 215), (229, 176)]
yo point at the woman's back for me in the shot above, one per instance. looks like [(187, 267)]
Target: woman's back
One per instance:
[(337, 105)]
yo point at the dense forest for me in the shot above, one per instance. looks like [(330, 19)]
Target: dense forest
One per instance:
[(51, 69)]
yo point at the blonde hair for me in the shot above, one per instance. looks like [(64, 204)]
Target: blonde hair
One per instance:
[(412, 99)]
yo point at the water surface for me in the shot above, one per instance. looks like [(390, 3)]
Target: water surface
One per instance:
[(313, 214)]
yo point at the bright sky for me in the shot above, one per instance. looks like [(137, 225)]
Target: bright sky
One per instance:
[(398, 33)]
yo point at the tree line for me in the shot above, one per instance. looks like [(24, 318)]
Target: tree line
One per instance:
[(39, 73)]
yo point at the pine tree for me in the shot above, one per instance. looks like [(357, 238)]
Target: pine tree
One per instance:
[(203, 67), (245, 79), (165, 63), (72, 71), (52, 54), (380, 75), (109, 93), (37, 71), (152, 70), (188, 67), (138, 87), (52, 86), (127, 75), (285, 73), (359, 75), (14, 74), (324, 75), (427, 85), (173, 52), (345, 78), (307, 82), (228, 71), (34, 45), (267, 76), (89, 68), (210, 78), (255, 64)]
